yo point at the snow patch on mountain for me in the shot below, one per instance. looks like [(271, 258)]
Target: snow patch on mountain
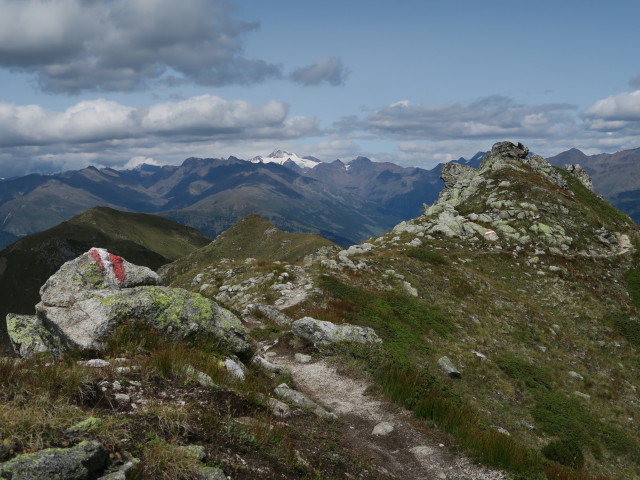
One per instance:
[(281, 157)]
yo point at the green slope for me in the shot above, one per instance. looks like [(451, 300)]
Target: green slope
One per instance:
[(251, 237)]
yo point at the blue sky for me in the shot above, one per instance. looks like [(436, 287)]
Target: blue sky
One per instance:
[(120, 82)]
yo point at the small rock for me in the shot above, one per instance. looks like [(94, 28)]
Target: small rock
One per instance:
[(201, 377), (88, 425), (575, 375), (193, 451), (302, 358), (235, 368), (448, 367), (94, 363), (212, 473), (382, 429), (122, 398), (300, 399)]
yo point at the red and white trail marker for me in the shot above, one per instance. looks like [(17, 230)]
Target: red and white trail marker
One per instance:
[(111, 266)]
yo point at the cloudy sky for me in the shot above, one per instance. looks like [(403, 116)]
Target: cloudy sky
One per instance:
[(121, 82)]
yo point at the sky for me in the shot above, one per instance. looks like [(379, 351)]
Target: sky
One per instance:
[(118, 83)]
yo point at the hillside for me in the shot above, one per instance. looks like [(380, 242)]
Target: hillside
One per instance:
[(252, 237), (522, 278), (144, 239)]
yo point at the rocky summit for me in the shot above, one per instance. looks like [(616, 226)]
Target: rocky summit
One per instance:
[(493, 337)]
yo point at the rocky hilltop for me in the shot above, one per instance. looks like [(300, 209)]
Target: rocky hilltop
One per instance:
[(495, 336)]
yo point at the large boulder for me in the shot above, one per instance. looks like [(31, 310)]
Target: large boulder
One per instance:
[(324, 333), (89, 297), (81, 462)]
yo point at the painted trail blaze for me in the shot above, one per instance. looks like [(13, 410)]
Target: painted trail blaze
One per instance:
[(111, 266)]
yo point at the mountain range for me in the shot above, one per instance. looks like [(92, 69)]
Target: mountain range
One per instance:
[(345, 203)]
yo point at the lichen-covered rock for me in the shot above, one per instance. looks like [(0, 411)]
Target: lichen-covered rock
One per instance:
[(321, 332), (82, 304), (26, 334), (81, 462), (88, 322)]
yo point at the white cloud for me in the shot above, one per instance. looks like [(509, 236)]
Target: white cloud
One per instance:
[(105, 45), (614, 113), (488, 117), (199, 118), (111, 134), (140, 160)]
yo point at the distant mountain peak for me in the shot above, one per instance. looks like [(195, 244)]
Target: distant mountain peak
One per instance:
[(282, 157), (281, 154)]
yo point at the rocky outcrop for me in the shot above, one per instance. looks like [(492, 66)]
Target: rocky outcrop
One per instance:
[(320, 332), (88, 298), (581, 174), (81, 462)]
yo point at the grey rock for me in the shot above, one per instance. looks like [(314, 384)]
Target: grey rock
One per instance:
[(212, 473), (581, 174), (235, 368), (81, 462), (448, 367), (200, 377), (300, 399), (81, 307), (267, 365), (302, 358), (194, 451), (324, 333), (127, 471), (94, 363), (278, 408), (382, 429), (269, 312), (122, 398), (26, 334)]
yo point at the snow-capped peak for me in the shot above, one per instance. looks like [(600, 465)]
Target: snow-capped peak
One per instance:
[(281, 157)]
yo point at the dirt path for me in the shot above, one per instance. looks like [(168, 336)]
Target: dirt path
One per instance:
[(409, 452)]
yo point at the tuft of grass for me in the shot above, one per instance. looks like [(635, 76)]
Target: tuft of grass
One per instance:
[(164, 461), (533, 376), (564, 452), (426, 255), (632, 279), (628, 327)]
